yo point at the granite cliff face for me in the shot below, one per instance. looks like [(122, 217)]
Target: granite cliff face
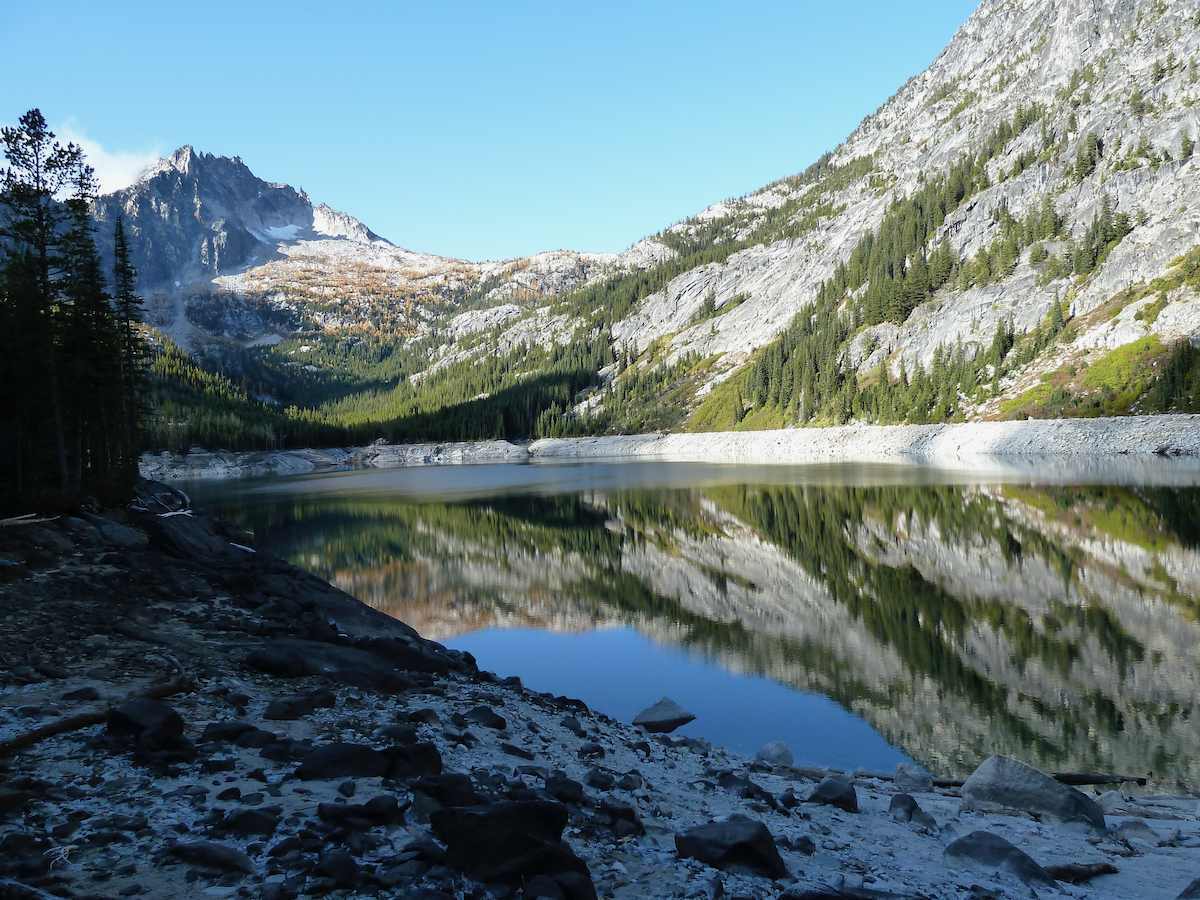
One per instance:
[(1083, 62)]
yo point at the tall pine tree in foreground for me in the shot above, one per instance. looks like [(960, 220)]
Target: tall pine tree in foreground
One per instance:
[(68, 357)]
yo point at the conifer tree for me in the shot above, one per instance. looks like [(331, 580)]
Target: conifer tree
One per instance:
[(62, 429)]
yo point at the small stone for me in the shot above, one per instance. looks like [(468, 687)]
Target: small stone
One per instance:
[(1138, 830), (82, 694), (347, 788), (630, 781), (519, 752), (483, 715)]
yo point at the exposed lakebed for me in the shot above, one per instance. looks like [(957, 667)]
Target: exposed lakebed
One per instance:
[(859, 614)]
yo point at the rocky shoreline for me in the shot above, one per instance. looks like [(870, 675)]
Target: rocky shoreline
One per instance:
[(1000, 447), (183, 716)]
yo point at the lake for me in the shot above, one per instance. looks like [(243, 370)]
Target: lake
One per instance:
[(863, 615)]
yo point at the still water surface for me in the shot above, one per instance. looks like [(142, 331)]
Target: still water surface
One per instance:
[(862, 615)]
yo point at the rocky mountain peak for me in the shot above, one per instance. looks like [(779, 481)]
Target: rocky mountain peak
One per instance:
[(192, 216)]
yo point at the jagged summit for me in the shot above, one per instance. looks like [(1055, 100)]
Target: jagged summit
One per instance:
[(192, 216)]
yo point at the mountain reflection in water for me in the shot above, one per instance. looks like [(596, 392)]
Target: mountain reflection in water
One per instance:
[(1058, 625)]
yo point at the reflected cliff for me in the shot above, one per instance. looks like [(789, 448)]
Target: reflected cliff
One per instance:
[(1058, 625)]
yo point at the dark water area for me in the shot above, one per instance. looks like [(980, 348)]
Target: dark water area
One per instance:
[(861, 615)]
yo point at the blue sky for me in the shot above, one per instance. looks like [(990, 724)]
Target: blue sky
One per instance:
[(477, 130)]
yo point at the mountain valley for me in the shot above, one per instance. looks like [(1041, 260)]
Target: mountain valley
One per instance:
[(1015, 233)]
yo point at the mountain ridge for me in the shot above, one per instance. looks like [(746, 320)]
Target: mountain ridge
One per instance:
[(1069, 126)]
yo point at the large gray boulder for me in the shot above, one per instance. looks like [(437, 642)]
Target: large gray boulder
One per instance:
[(775, 753), (663, 717), (981, 851), (1191, 892), (834, 791), (1003, 783), (738, 844)]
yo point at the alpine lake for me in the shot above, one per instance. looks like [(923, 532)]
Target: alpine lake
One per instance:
[(863, 615)]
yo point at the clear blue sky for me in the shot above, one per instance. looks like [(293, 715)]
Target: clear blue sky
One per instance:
[(477, 130)]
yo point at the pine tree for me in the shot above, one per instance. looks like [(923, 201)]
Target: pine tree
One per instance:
[(132, 351), (62, 427)]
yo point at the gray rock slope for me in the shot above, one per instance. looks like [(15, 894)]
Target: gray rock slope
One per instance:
[(1083, 61)]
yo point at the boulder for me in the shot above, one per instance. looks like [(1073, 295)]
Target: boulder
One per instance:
[(1000, 782), (739, 843), (981, 851), (213, 856), (402, 655), (904, 808), (224, 732), (287, 709), (382, 810), (834, 791), (120, 536), (563, 789), (506, 842), (775, 753), (599, 779), (1191, 892), (448, 789), (910, 777), (484, 715), (664, 716), (252, 822), (293, 657), (1138, 830), (146, 721), (339, 866), (342, 760)]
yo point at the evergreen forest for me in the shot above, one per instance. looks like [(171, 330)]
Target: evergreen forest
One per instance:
[(72, 360)]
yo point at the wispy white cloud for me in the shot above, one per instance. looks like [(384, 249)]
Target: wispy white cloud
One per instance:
[(114, 169)]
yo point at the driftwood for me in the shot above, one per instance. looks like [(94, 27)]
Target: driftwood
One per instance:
[(1081, 778), (1077, 873), (1072, 778), (182, 683), (27, 519)]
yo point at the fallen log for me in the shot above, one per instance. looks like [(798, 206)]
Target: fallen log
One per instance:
[(15, 890), (1083, 778), (1077, 873), (180, 684)]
